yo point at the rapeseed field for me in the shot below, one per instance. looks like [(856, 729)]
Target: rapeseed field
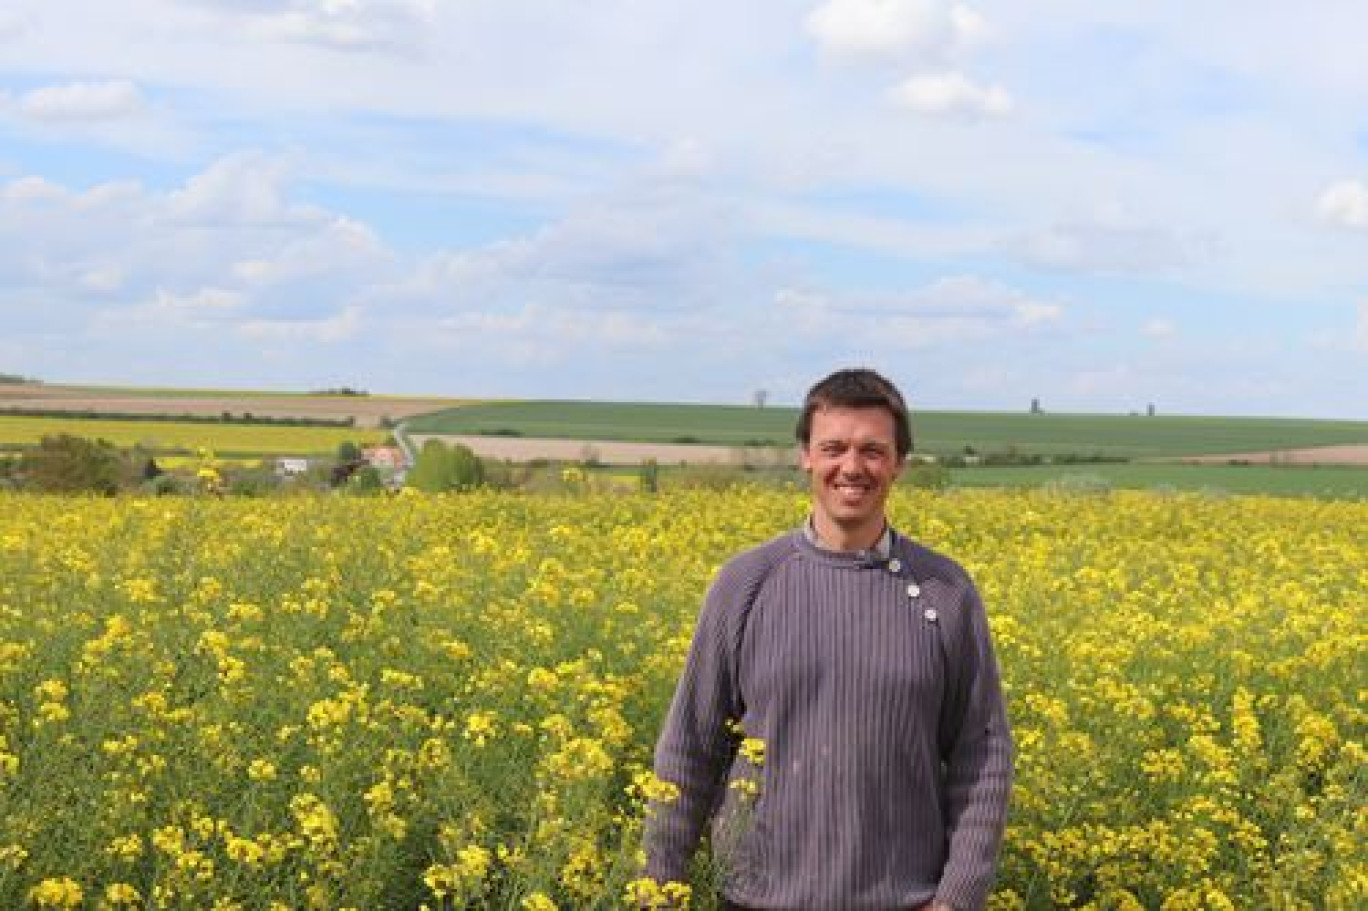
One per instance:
[(450, 702), (162, 436)]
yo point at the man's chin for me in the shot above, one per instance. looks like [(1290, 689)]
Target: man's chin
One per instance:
[(854, 518), (855, 509)]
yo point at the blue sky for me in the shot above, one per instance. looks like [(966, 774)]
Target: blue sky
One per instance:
[(1100, 205)]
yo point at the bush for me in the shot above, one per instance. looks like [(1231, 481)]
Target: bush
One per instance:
[(927, 475), (9, 467), (163, 485), (255, 481), (441, 468), (707, 477), (501, 474), (648, 475), (366, 481), (72, 464)]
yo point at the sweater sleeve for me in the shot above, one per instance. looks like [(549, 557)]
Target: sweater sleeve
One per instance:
[(977, 752), (696, 746)]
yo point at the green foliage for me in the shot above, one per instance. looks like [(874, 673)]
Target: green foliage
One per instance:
[(252, 481), (432, 471), (927, 475), (709, 477), (502, 474), (366, 481), (441, 468), (649, 476), (340, 391), (348, 451), (72, 464), (467, 471), (164, 485)]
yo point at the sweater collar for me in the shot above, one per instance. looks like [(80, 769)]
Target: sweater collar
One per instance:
[(879, 553)]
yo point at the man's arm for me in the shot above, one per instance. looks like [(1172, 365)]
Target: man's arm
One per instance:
[(978, 766), (696, 744)]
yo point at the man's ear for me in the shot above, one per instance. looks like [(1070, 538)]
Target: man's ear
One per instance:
[(804, 462)]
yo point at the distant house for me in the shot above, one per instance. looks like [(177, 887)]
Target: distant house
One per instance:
[(291, 467), (385, 457)]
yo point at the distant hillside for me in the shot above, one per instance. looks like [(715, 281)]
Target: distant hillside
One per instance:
[(939, 432), (334, 405)]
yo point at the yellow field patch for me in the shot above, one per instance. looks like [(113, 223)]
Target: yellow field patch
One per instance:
[(189, 435)]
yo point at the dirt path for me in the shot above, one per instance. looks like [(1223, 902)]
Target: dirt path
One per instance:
[(1352, 454)]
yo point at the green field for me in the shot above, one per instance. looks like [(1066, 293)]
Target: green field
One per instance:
[(1331, 481), (942, 432)]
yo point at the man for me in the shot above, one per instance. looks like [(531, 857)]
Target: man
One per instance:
[(862, 661)]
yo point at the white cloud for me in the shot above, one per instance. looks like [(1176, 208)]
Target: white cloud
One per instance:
[(686, 158), (244, 188), (203, 308), (969, 26), (217, 312), (897, 236), (348, 25), (102, 279), (1160, 329), (951, 94), (231, 258), (336, 328), (1112, 382), (1111, 244), (549, 330), (11, 25), (648, 248), (33, 188), (81, 101), (985, 299), (887, 28), (1031, 313), (228, 246), (949, 310), (337, 245), (1344, 203)]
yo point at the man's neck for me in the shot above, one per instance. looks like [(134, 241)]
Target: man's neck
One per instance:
[(831, 536)]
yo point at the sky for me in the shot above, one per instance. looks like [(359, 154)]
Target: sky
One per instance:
[(1102, 206)]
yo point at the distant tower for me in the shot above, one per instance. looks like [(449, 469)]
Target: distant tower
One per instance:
[(1035, 407), (1150, 410)]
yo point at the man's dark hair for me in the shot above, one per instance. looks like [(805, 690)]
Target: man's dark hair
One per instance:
[(857, 388)]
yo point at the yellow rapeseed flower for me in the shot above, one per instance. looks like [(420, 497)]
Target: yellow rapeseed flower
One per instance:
[(59, 892)]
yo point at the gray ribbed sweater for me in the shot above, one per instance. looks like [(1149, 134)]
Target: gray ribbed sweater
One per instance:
[(888, 759)]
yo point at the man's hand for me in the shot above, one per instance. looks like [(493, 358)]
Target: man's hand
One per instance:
[(934, 906)]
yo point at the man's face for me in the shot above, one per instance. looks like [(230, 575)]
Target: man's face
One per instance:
[(852, 457)]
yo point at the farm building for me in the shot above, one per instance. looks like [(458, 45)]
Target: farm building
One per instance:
[(390, 457), (289, 467)]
